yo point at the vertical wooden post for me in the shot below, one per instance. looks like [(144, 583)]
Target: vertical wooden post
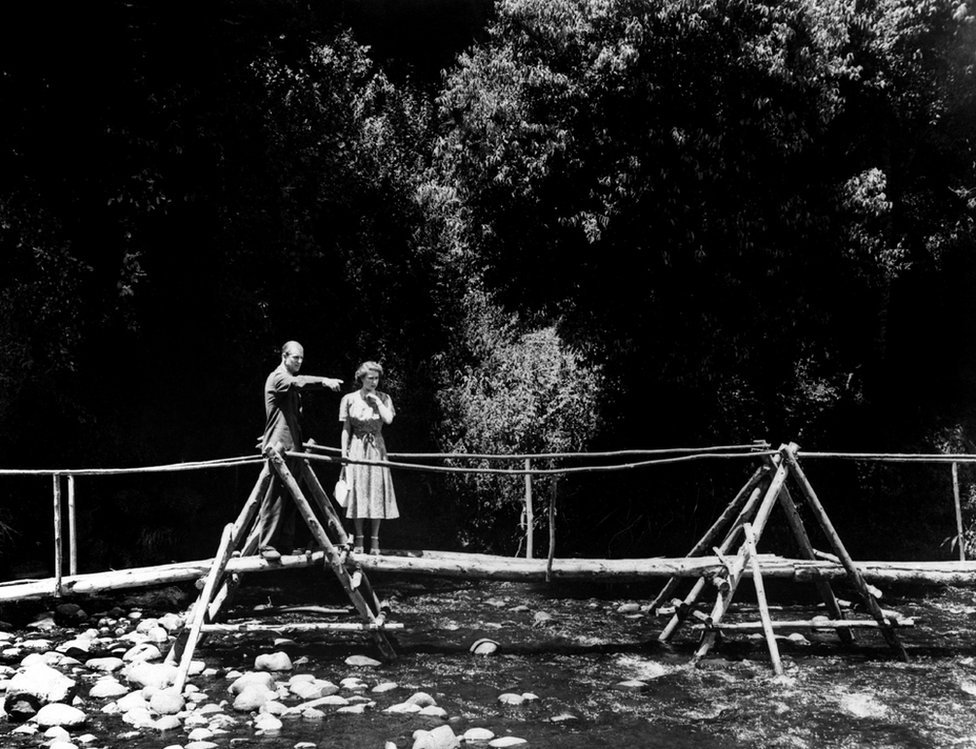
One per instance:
[(72, 528), (56, 483), (960, 533), (529, 512), (552, 525)]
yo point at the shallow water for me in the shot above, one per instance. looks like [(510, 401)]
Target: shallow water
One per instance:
[(570, 647)]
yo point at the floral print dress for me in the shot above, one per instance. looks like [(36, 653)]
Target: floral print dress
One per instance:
[(371, 492)]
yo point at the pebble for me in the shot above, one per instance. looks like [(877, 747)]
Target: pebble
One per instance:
[(442, 737), (510, 698), (386, 686), (356, 709), (433, 711), (57, 732), (107, 665), (478, 734), (167, 723)]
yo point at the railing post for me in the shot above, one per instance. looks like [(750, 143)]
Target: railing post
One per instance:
[(56, 482), (961, 536), (529, 511), (72, 528)]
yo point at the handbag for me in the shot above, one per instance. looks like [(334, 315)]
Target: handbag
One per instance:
[(342, 492)]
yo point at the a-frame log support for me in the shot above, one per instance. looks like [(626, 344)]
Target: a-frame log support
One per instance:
[(237, 541)]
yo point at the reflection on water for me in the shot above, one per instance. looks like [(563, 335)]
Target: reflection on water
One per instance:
[(574, 657)]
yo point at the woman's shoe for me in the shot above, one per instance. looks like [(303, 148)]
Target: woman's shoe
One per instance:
[(357, 547), (374, 542)]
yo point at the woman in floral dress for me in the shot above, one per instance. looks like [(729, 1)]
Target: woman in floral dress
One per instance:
[(363, 414)]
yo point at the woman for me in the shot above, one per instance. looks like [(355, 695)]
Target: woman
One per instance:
[(363, 414)]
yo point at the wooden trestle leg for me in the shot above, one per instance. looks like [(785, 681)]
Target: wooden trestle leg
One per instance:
[(767, 624), (705, 542), (806, 488), (806, 548), (239, 529), (336, 560), (681, 614), (737, 566)]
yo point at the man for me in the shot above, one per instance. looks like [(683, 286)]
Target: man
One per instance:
[(283, 408)]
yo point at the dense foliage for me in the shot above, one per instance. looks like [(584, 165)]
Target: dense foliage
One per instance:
[(561, 225)]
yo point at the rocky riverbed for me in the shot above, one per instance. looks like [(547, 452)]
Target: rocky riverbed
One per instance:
[(487, 664)]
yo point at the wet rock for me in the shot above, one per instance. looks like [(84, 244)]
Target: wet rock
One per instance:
[(274, 708), (403, 708), (200, 734), (484, 646), (44, 622), (252, 678), (167, 723), (312, 714), (442, 737), (433, 711), (478, 734), (201, 745), (34, 687), (422, 699), (59, 714), (158, 675), (139, 718), (166, 702), (628, 608), (57, 732), (530, 696), (562, 718), (386, 686), (253, 698), (106, 665), (144, 651), (505, 741), (277, 661), (171, 622), (61, 744), (107, 688), (362, 661), (353, 709), (69, 615), (266, 722)]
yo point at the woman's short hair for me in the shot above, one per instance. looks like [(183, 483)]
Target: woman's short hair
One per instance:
[(366, 367)]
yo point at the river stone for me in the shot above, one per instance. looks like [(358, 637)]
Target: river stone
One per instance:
[(139, 717), (61, 744), (158, 675), (145, 651), (441, 737), (529, 696), (277, 661), (267, 722), (306, 745), (332, 700), (506, 741), (132, 700), (353, 709), (166, 702), (35, 686), (44, 622), (510, 698), (106, 665), (252, 678), (253, 698), (362, 661), (478, 734), (200, 734), (171, 622), (167, 723), (403, 708), (420, 698), (562, 718), (158, 635), (56, 732), (386, 686), (306, 690), (201, 745), (628, 608), (433, 711), (58, 714), (484, 646), (68, 647), (25, 730), (312, 714)]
